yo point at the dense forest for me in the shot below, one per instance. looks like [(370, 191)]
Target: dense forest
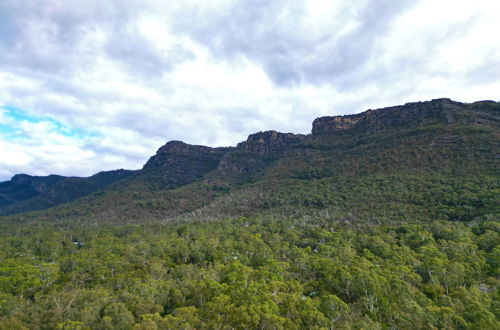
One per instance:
[(251, 273), (389, 219)]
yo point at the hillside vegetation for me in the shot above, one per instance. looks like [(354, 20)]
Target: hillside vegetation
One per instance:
[(388, 219), (251, 274)]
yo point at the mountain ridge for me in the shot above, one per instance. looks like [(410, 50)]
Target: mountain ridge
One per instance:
[(335, 146), (26, 193)]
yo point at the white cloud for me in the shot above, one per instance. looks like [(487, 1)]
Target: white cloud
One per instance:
[(130, 75)]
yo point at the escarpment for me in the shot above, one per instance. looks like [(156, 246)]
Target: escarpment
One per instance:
[(410, 115), (268, 142), (422, 137)]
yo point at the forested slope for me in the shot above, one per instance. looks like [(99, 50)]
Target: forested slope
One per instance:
[(388, 219), (406, 150), (25, 193)]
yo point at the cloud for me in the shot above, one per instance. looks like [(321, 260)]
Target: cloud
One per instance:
[(106, 83), (295, 43)]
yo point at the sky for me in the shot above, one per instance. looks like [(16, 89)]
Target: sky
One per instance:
[(94, 85)]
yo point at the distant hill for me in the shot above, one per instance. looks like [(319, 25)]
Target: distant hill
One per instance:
[(28, 193), (382, 165)]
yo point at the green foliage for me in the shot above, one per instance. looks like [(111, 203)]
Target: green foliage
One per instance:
[(394, 226), (251, 273)]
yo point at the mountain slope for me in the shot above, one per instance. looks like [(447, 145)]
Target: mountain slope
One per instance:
[(27, 193), (388, 219), (448, 145)]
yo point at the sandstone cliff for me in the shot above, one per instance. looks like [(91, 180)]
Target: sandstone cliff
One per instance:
[(410, 115), (268, 141)]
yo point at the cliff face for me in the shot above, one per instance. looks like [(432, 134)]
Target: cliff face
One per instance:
[(255, 154), (410, 115), (177, 163), (188, 149), (178, 154), (268, 142)]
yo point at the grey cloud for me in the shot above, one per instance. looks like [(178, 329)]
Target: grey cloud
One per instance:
[(141, 56), (286, 50), (50, 37), (240, 120), (40, 39), (406, 72), (485, 73)]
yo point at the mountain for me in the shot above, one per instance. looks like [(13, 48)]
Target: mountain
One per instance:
[(440, 143), (28, 193), (387, 219)]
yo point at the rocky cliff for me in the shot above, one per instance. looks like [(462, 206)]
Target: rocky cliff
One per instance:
[(255, 154), (410, 115), (177, 163), (268, 142), (178, 153)]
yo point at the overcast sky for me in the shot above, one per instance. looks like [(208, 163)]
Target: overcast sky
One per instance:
[(93, 85)]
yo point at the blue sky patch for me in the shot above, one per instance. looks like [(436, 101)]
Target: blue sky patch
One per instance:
[(9, 128)]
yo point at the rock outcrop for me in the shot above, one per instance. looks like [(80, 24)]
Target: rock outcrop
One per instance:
[(268, 141), (410, 115), (255, 154), (176, 153), (177, 163)]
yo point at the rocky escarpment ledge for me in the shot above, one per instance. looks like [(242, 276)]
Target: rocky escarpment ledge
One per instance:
[(408, 116), (268, 141), (184, 148), (173, 153), (178, 163)]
